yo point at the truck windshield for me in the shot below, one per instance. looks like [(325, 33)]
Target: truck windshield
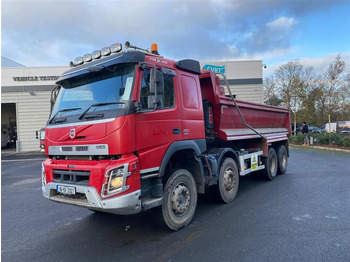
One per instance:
[(96, 95)]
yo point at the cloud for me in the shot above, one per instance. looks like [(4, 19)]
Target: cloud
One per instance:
[(41, 33), (282, 23), (319, 64)]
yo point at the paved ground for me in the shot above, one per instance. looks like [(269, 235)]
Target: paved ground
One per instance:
[(303, 215)]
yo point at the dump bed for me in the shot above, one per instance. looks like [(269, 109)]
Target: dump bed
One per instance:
[(271, 121)]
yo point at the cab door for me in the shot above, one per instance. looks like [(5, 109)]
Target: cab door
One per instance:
[(157, 129)]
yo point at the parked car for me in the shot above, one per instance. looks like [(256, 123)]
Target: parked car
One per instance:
[(343, 127), (318, 131), (328, 128)]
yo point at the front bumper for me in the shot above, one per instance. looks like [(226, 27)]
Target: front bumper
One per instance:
[(88, 197)]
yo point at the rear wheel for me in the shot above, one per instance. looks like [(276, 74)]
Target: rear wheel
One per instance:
[(271, 164), (282, 159), (227, 187), (180, 199)]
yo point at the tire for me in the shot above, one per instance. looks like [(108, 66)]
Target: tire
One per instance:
[(271, 164), (180, 200), (227, 186), (282, 158)]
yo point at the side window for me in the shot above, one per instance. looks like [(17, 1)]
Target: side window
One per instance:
[(167, 100)]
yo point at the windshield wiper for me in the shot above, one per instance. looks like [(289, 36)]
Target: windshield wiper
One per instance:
[(62, 119), (98, 105)]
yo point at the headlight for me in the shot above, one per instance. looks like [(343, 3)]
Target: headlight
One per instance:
[(115, 181)]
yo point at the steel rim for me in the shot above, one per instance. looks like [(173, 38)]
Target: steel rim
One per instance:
[(229, 179), (180, 199)]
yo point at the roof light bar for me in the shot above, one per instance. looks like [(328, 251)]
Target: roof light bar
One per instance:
[(87, 58), (105, 51), (115, 48), (78, 61), (97, 54)]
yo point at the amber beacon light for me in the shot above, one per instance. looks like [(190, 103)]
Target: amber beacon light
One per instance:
[(154, 49)]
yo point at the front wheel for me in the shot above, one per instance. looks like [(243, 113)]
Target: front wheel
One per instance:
[(227, 187), (180, 199)]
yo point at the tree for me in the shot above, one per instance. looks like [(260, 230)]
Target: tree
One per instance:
[(311, 98), (270, 92), (293, 82), (335, 91)]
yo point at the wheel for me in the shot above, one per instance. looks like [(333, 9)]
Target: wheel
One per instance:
[(227, 187), (180, 199), (282, 158), (271, 164)]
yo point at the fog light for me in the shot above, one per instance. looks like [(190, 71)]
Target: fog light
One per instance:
[(115, 181)]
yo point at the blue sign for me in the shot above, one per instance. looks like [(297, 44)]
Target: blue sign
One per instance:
[(215, 69)]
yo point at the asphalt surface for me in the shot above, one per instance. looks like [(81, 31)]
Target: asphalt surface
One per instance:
[(303, 215)]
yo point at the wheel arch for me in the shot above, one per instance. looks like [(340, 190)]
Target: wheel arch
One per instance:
[(185, 154), (222, 153)]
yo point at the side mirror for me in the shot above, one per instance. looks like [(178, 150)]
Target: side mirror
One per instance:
[(37, 134), (154, 100), (156, 82)]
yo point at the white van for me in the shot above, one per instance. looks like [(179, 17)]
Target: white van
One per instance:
[(329, 128)]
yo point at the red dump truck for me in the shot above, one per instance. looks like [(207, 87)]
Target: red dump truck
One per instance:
[(131, 131)]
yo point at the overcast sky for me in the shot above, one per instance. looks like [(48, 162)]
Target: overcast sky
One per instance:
[(52, 33)]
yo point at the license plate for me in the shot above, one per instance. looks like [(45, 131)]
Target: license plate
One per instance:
[(67, 190)]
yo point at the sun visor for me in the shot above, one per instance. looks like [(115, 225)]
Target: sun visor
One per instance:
[(126, 57)]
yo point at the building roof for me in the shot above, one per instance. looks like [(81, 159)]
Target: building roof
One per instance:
[(5, 62)]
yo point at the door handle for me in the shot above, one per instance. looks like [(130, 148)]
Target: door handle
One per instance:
[(176, 131)]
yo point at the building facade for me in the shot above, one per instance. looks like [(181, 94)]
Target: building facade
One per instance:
[(25, 102), (26, 94)]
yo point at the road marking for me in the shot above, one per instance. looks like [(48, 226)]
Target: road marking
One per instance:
[(20, 160)]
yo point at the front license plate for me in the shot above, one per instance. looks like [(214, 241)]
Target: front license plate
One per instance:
[(67, 190)]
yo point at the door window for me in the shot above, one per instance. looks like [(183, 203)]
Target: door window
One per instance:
[(167, 100)]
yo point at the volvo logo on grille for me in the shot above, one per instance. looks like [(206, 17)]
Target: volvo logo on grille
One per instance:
[(72, 133)]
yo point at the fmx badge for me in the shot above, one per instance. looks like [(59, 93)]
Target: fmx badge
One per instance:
[(215, 69)]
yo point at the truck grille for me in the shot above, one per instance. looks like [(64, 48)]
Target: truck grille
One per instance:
[(67, 148), (71, 176)]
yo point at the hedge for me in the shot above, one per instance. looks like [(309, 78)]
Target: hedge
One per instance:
[(323, 139)]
